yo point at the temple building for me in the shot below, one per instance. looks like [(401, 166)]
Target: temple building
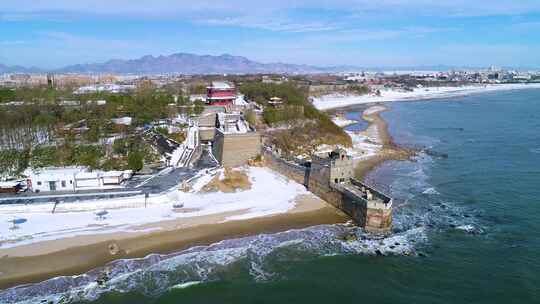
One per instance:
[(221, 94)]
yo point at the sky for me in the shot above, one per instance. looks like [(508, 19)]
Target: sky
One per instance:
[(365, 33)]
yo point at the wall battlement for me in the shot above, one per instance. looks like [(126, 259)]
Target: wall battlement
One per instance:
[(331, 178)]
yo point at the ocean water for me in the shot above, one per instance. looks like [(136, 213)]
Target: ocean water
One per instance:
[(466, 228), (357, 116)]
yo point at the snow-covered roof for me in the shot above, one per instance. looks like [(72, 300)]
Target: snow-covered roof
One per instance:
[(195, 97), (122, 120), (221, 85), (88, 175), (240, 100), (9, 184), (113, 173), (56, 170), (232, 123)]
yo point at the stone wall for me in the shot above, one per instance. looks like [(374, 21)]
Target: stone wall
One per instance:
[(291, 170), (319, 184), (378, 220), (207, 133), (232, 150), (374, 217)]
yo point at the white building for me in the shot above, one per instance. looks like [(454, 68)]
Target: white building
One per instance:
[(73, 178), (53, 179), (126, 121), (110, 88)]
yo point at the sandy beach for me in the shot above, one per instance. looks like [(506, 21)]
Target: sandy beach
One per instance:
[(266, 203), (389, 150), (74, 255)]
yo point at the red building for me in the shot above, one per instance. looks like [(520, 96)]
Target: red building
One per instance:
[(220, 94)]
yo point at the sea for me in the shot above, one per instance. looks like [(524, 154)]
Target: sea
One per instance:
[(466, 228)]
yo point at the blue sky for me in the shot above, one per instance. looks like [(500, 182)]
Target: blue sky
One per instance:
[(366, 33)]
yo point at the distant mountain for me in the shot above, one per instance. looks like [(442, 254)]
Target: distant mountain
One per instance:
[(184, 63), (5, 69)]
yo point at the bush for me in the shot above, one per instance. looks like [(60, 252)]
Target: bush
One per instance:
[(311, 127), (135, 161), (13, 162), (251, 117), (198, 107), (359, 89), (162, 130)]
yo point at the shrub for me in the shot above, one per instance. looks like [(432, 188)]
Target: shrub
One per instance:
[(135, 161)]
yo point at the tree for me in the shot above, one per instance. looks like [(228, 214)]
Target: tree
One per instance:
[(251, 117), (199, 107), (162, 130), (135, 161), (90, 158)]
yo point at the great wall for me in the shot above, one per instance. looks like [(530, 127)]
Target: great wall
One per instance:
[(331, 179)]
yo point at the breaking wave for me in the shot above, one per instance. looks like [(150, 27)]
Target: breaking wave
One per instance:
[(156, 274), (419, 211), (431, 191), (260, 256)]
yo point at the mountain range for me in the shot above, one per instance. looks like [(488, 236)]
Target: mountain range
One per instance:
[(191, 64), (181, 63), (4, 69)]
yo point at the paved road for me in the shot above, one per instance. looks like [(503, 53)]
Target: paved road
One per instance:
[(138, 185)]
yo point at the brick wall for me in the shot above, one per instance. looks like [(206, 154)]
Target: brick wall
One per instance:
[(232, 150)]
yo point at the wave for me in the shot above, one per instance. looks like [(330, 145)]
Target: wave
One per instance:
[(259, 256), (431, 191), (417, 203), (156, 274), (536, 150)]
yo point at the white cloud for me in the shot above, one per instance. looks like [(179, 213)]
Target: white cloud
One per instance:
[(272, 24), (233, 9)]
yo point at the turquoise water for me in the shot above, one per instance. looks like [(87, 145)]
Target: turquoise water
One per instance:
[(466, 229)]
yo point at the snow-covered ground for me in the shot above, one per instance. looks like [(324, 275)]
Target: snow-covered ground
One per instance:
[(373, 110), (340, 100), (270, 194), (365, 143), (341, 121)]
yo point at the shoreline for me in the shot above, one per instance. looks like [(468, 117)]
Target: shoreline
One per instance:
[(76, 255), (336, 101), (389, 150), (24, 264)]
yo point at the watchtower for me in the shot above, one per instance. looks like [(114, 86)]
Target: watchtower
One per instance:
[(341, 166)]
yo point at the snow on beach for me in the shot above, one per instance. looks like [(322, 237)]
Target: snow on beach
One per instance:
[(341, 121), (341, 100), (270, 194), (365, 144)]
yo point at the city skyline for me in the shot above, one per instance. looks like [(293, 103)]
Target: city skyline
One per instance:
[(320, 33)]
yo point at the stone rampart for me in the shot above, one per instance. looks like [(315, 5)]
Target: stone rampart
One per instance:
[(375, 215), (294, 171), (232, 150)]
